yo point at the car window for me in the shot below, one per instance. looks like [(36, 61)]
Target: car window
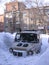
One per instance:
[(28, 37), (18, 36)]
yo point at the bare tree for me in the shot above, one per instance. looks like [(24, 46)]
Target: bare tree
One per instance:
[(40, 13), (16, 16)]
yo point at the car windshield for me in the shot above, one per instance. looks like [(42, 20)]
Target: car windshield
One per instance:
[(29, 37)]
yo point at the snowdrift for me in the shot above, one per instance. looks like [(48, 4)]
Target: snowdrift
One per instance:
[(8, 39), (45, 43), (6, 58), (44, 58), (2, 44)]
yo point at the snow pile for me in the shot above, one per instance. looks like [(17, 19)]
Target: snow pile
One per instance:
[(2, 44), (44, 58), (14, 34), (45, 43), (8, 39), (6, 58)]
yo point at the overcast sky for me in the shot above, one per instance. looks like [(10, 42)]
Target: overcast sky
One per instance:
[(2, 7)]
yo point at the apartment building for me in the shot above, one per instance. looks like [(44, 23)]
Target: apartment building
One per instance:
[(47, 18), (13, 16), (32, 20), (18, 16)]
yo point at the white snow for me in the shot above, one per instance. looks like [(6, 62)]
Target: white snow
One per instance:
[(44, 58), (6, 58), (8, 39), (45, 44)]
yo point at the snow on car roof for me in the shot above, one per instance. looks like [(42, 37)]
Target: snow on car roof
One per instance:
[(36, 32)]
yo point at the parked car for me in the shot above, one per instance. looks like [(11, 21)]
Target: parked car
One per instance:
[(27, 42)]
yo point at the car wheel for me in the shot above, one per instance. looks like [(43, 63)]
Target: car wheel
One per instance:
[(30, 52), (38, 51), (11, 50), (14, 53)]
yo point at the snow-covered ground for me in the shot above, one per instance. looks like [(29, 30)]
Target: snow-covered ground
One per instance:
[(6, 58)]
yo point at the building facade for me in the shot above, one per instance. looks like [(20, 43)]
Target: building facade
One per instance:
[(19, 17), (32, 20), (13, 16), (1, 23), (47, 18)]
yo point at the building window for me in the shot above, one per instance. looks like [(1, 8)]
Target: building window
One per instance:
[(24, 14), (31, 19), (25, 27), (6, 22), (11, 23), (47, 10), (9, 15), (31, 25), (17, 22), (6, 26)]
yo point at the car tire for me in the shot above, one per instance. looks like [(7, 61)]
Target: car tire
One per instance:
[(14, 53), (38, 51), (30, 52), (11, 50)]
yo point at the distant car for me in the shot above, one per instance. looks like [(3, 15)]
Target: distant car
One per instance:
[(27, 42)]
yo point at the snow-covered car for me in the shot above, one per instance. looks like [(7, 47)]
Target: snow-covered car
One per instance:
[(27, 42)]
